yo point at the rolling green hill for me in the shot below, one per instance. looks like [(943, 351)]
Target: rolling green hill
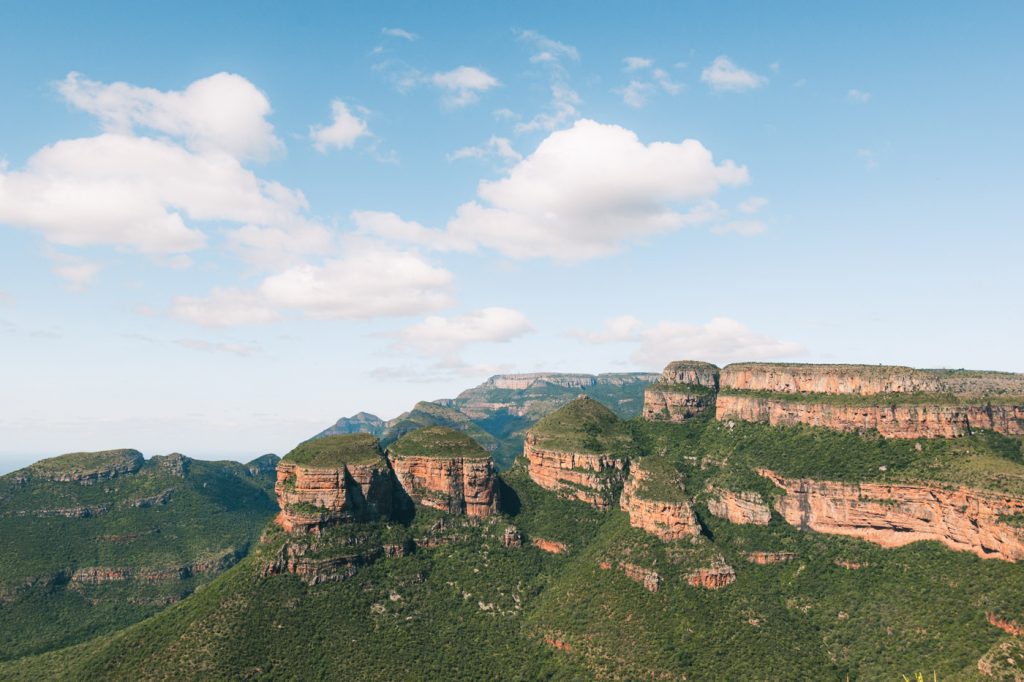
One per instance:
[(92, 542), (478, 600)]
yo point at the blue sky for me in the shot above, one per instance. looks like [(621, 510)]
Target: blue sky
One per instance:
[(224, 226)]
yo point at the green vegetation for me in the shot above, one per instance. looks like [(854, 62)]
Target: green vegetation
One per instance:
[(690, 389), (661, 479), (585, 426), (85, 463), (437, 441), (335, 451), (163, 531), (433, 414)]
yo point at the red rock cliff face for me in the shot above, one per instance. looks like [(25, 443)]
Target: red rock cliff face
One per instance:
[(739, 507), (585, 477), (894, 515), (665, 520), (671, 405), (351, 492), (891, 421), (457, 485)]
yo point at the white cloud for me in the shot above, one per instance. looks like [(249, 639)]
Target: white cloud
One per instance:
[(344, 130), (724, 76), (77, 272), (223, 112), (369, 280), (399, 33), (391, 227), (495, 146), (239, 349), (546, 49), (636, 93), (564, 100), (666, 83), (225, 308), (586, 190), (858, 96), (637, 63), (464, 85), (868, 157), (752, 205), (745, 228), (722, 340), (446, 336), (146, 193)]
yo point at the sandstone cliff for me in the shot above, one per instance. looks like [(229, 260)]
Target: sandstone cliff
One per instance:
[(653, 497), (446, 470), (686, 389), (893, 515), (579, 451), (891, 421), (739, 507)]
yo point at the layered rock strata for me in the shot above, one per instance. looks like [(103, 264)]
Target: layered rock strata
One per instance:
[(314, 496), (714, 577), (667, 516), (585, 477), (746, 507), (893, 515), (891, 421), (685, 390)]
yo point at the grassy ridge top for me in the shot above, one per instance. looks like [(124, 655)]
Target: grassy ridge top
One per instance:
[(337, 450), (437, 441), (586, 426), (89, 462)]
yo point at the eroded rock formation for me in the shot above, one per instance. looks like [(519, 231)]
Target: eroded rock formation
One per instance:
[(585, 477), (713, 577), (313, 496), (739, 507), (893, 515), (764, 558), (666, 519), (456, 485), (685, 390), (891, 421), (549, 546), (650, 580)]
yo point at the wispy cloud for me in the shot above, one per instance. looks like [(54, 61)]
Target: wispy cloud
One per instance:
[(723, 75), (399, 33)]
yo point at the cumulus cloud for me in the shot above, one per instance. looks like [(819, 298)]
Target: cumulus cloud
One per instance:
[(389, 226), (369, 280), (721, 340), (399, 33), (858, 96), (446, 336), (586, 190), (344, 130), (147, 194), (724, 76), (463, 85), (223, 112), (500, 147), (637, 63)]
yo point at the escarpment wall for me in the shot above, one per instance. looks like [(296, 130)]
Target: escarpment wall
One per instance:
[(585, 477), (456, 485), (933, 403), (663, 519), (311, 497), (891, 421), (893, 515)]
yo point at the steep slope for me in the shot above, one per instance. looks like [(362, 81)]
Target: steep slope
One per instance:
[(433, 414), (92, 542)]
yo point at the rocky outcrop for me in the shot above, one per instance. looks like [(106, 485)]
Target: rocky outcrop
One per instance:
[(98, 575), (650, 580), (765, 558), (746, 507), (86, 467), (585, 477), (1004, 661), (456, 485), (293, 559), (893, 515), (666, 519), (685, 390), (891, 421), (311, 496), (713, 577), (1011, 627), (549, 546), (512, 538)]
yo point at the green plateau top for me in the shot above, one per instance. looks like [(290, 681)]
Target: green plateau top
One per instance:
[(585, 426), (661, 480), (337, 450), (437, 441), (84, 463)]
